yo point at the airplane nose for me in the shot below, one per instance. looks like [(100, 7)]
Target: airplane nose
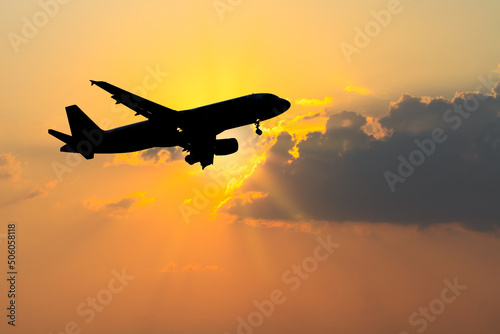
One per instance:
[(286, 105), (282, 106), (278, 107)]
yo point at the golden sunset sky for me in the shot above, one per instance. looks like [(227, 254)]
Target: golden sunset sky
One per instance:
[(371, 206)]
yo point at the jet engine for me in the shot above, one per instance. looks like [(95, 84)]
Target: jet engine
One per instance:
[(225, 146)]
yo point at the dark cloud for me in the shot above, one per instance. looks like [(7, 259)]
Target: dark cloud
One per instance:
[(34, 193), (118, 207), (9, 167), (411, 115), (123, 203), (348, 175), (158, 153)]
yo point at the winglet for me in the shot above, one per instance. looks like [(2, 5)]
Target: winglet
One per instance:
[(92, 82)]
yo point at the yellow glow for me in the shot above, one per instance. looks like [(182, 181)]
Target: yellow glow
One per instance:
[(358, 89), (375, 129), (315, 102)]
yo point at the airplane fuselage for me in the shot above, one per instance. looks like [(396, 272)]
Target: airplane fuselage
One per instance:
[(217, 117)]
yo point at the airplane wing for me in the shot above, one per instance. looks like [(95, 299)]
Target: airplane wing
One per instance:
[(138, 104)]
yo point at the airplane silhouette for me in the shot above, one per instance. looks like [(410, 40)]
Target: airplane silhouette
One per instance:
[(195, 130)]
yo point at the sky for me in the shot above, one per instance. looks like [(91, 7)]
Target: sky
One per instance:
[(371, 206)]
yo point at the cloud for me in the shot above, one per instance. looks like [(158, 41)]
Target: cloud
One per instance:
[(119, 206), (170, 267), (37, 192), (302, 227), (162, 154), (314, 102), (31, 194), (19, 189), (191, 267), (341, 175), (358, 89), (9, 166), (52, 183), (157, 156)]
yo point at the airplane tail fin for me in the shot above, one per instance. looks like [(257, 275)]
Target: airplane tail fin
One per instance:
[(79, 122), (85, 134)]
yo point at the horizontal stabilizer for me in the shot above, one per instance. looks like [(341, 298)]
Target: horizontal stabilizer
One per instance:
[(61, 136), (67, 148)]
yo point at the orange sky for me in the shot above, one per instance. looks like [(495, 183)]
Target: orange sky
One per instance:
[(165, 247)]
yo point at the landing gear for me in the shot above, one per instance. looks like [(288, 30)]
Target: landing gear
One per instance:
[(258, 131)]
